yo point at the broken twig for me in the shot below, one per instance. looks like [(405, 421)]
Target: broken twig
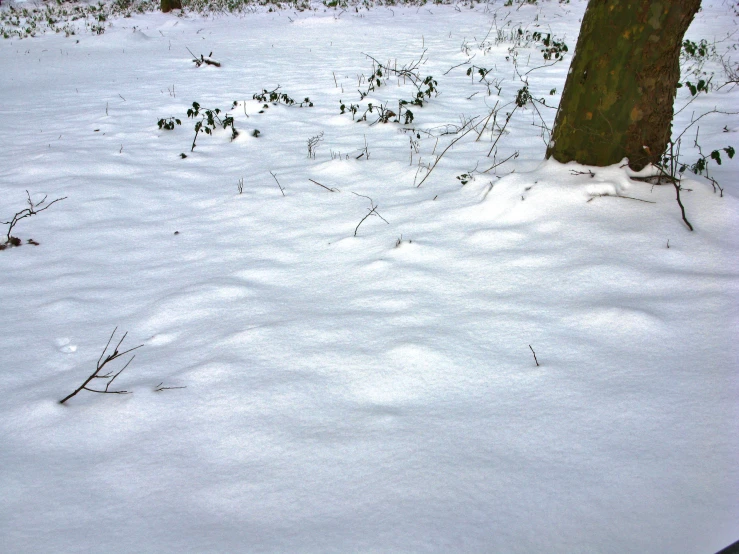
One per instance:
[(534, 353), (324, 186), (102, 361), (203, 60), (372, 211)]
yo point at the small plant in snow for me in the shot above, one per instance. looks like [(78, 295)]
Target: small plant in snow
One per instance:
[(209, 119), (523, 97), (313, 144), (464, 178), (102, 362), (168, 123), (553, 49), (483, 72), (672, 166), (32, 209), (425, 88), (276, 97), (364, 152), (353, 108), (700, 165), (399, 241)]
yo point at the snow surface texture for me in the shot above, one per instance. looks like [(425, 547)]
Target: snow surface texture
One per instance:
[(354, 393)]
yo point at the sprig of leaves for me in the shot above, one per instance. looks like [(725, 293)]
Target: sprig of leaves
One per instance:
[(700, 86), (702, 163), (280, 98), (209, 120), (168, 123)]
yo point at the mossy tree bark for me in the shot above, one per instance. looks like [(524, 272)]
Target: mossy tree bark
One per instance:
[(169, 5), (618, 97)]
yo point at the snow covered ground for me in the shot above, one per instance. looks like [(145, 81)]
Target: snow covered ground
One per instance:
[(367, 389)]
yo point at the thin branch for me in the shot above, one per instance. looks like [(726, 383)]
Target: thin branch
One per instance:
[(697, 119), (656, 179), (372, 211), (542, 66), (620, 196), (324, 186), (544, 123), (460, 137), (278, 183), (534, 353), (160, 388), (682, 208), (101, 363), (493, 112), (32, 209), (588, 172), (514, 155), (459, 64), (507, 119)]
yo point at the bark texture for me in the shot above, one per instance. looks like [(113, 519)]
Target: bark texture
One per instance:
[(169, 5), (618, 97)]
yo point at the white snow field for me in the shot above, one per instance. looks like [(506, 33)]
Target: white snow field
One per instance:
[(368, 393)]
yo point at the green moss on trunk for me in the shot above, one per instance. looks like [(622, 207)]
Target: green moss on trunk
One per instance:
[(618, 97)]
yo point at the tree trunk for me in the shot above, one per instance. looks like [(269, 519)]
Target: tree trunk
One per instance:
[(618, 97), (169, 5)]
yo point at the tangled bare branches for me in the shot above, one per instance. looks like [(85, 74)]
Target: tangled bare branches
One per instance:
[(32, 209), (471, 127), (313, 144), (372, 210)]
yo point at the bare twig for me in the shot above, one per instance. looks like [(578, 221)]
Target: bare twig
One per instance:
[(408, 71), (619, 196), (682, 208), (545, 65), (203, 60), (365, 150), (459, 64), (32, 209), (460, 137), (514, 155), (697, 119), (655, 179), (102, 361), (372, 211), (576, 172), (534, 353), (324, 186), (160, 388), (507, 119), (278, 183), (494, 115), (313, 144)]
